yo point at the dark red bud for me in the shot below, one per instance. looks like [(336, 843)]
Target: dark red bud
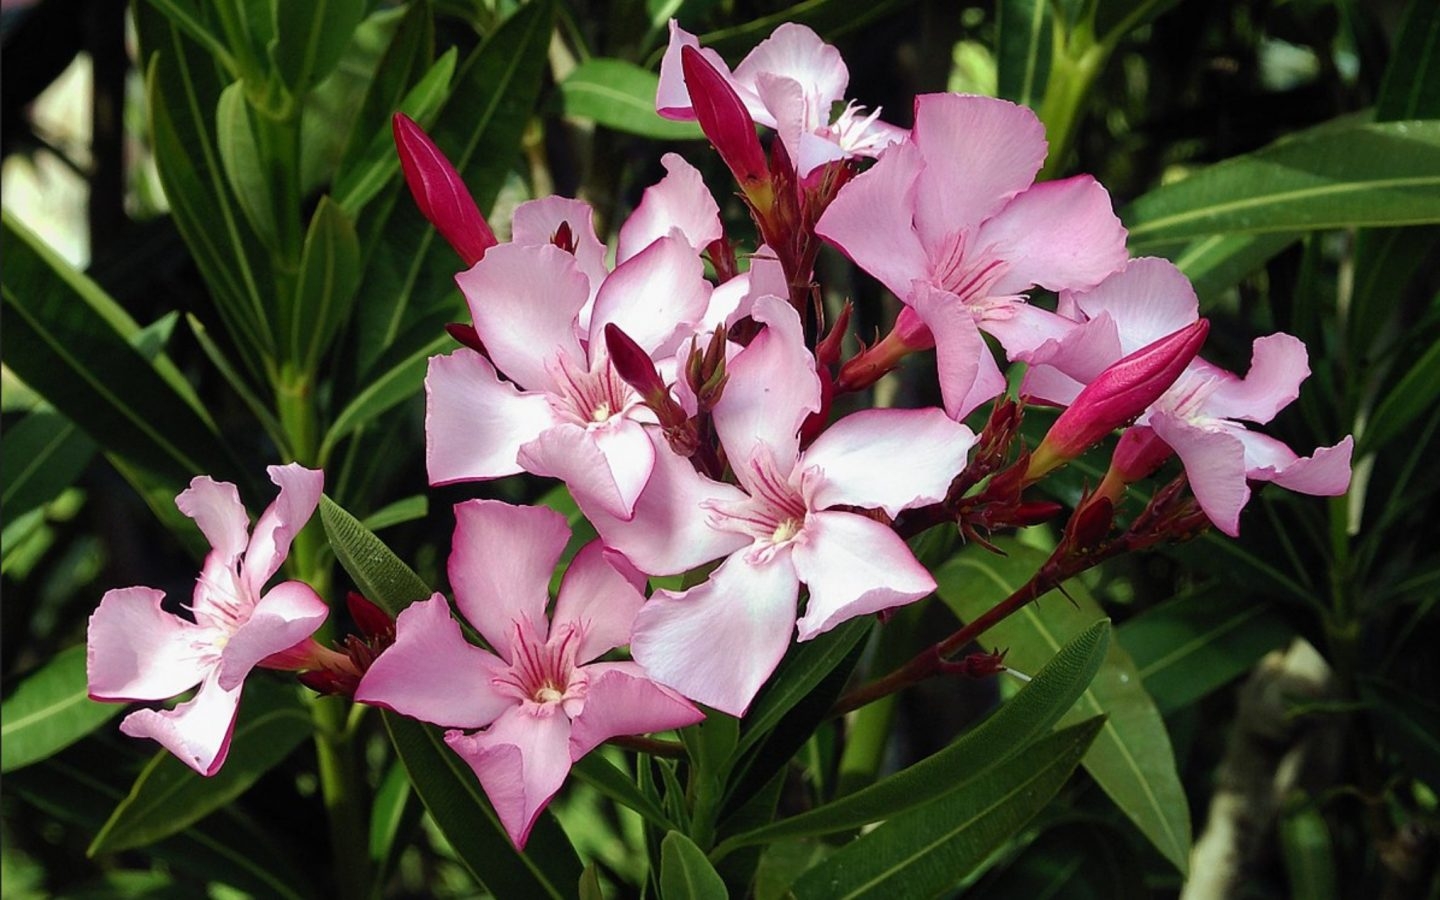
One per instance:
[(369, 618), (467, 335), (564, 238), (827, 352), (726, 122), (1090, 523), (440, 192)]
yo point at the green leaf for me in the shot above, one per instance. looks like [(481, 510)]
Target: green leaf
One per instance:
[(410, 52), (930, 848), (389, 388), (169, 795), (310, 38), (325, 292), (452, 794), (407, 509), (1411, 86), (394, 813), (828, 18), (377, 572), (84, 783), (1310, 861), (71, 343), (409, 290), (186, 17), (621, 95), (1028, 715), (1332, 177), (40, 456), (1196, 643), (1024, 34), (182, 94), (1410, 724), (380, 164), (598, 772), (685, 873), (1216, 263), (244, 164), (1082, 860), (49, 711), (240, 386), (1132, 759)]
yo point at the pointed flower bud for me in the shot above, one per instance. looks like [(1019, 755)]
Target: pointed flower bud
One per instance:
[(635, 366), (440, 193), (706, 370), (1117, 396), (727, 123), (467, 335)]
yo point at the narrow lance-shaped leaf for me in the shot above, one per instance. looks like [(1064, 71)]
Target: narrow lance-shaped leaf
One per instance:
[(71, 343), (378, 573), (325, 292), (1132, 759), (50, 710), (930, 848), (244, 165), (1022, 719), (409, 54), (310, 38), (1024, 34), (1333, 177), (685, 873), (169, 795), (621, 95)]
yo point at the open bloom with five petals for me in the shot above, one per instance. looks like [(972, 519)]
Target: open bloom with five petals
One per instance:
[(541, 698), (796, 516), (138, 650)]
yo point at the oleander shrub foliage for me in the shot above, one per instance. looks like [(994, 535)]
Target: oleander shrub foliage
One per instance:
[(701, 450)]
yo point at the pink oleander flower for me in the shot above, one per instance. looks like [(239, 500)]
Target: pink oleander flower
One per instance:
[(789, 82), (541, 698), (1118, 395), (797, 516), (440, 193), (952, 223), (540, 313), (1201, 416), (137, 650)]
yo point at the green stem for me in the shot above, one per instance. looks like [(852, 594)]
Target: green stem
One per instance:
[(341, 786), (1068, 89)]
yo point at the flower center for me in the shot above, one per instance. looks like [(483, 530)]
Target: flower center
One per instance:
[(590, 396), (543, 675), (965, 271), (785, 531), (774, 512)]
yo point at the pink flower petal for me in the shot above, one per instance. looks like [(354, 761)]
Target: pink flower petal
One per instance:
[(784, 98), (536, 222), (967, 370), (1060, 369), (1147, 299), (285, 616), (978, 152), (1326, 473), (521, 761), (270, 543), (216, 508), (795, 52), (137, 651), (672, 97), (524, 301), (772, 388), (501, 558), (679, 200), (1278, 365), (654, 297), (197, 731), (668, 533), (475, 423), (1021, 328), (605, 468), (620, 700), (717, 642), (432, 673), (598, 598), (1214, 464), (1058, 234), (892, 459), (854, 566), (871, 220)]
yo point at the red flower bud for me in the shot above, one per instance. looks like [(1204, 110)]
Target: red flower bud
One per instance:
[(467, 335), (1138, 454), (727, 123), (1117, 396), (440, 193), (637, 369)]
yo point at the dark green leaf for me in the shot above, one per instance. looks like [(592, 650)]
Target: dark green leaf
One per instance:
[(621, 95), (1411, 86), (72, 344), (242, 388), (1333, 177), (394, 814), (49, 711), (1074, 861), (1028, 715), (186, 16), (1309, 855), (310, 38), (1216, 263), (169, 795), (1191, 645), (325, 292), (1410, 724), (244, 164), (408, 55), (377, 572), (386, 390), (84, 783), (409, 290), (1024, 33), (452, 794), (182, 94), (931, 847), (40, 456), (1132, 759), (598, 772), (828, 18), (1413, 396), (685, 873)]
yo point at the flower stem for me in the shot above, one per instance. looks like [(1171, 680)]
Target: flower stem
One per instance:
[(340, 786)]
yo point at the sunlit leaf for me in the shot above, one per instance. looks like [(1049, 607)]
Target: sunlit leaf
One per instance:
[(621, 95), (49, 711)]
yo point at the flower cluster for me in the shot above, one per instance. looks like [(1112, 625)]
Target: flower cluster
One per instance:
[(696, 425)]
